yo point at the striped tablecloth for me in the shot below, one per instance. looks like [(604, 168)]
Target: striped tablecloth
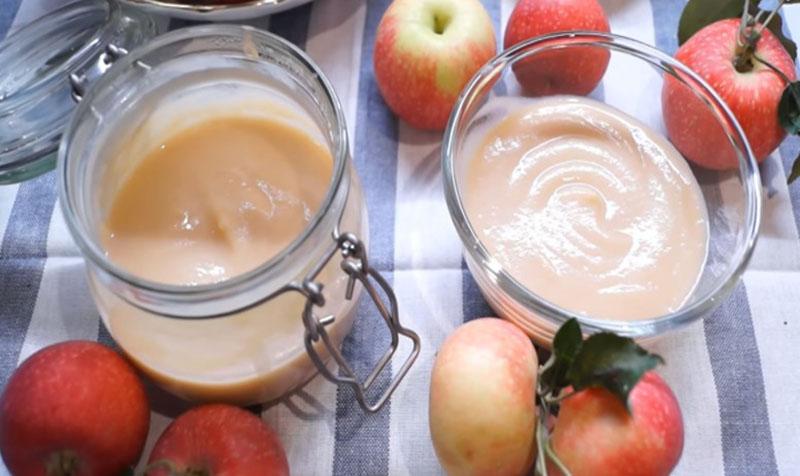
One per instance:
[(736, 374)]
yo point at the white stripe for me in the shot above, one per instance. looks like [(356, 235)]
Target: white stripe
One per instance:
[(427, 282), (630, 84), (158, 423), (336, 31), (64, 308), (778, 247), (59, 240), (774, 299), (688, 373), (305, 423), (506, 7), (308, 417), (8, 193)]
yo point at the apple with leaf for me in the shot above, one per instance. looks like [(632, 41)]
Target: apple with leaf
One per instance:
[(491, 410), (739, 49)]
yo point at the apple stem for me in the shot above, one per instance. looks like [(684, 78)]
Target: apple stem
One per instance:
[(750, 30), (62, 463)]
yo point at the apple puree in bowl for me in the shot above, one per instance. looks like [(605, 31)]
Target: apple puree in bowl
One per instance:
[(588, 208)]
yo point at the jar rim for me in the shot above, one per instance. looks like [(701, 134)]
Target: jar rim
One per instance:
[(270, 268), (553, 313)]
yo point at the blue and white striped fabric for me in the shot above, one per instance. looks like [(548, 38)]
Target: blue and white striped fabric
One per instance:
[(735, 374)]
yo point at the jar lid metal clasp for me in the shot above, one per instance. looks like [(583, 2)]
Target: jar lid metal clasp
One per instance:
[(78, 82), (356, 265)]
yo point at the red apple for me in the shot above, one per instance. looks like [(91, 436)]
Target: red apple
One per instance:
[(482, 400), (594, 434), (218, 440), (425, 52), (575, 70), (75, 408), (752, 95)]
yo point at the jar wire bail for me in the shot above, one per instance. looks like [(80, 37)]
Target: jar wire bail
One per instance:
[(356, 265)]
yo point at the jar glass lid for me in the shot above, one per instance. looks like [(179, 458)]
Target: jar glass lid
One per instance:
[(35, 66)]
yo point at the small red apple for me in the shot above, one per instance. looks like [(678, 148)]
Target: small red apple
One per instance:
[(575, 70), (75, 408), (218, 440), (594, 434), (752, 92), (425, 52)]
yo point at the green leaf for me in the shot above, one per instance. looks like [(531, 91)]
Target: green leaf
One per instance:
[(566, 343), (568, 340), (789, 108), (127, 472), (795, 170), (612, 362), (700, 13)]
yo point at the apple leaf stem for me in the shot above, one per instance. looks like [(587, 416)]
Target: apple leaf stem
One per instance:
[(698, 14), (603, 360)]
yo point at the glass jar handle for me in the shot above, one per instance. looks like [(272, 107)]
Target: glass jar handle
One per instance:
[(78, 82), (356, 266)]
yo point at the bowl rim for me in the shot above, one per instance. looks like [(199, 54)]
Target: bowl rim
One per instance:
[(557, 315)]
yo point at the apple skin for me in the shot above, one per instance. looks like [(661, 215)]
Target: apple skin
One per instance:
[(576, 70), (219, 440), (594, 434), (752, 96), (482, 400), (79, 397), (420, 72)]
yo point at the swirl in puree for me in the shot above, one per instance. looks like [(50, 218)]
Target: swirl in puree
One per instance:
[(588, 208)]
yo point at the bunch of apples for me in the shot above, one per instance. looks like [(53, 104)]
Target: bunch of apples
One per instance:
[(427, 50), (78, 408), (491, 405)]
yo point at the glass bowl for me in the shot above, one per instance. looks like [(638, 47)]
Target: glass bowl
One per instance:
[(632, 83)]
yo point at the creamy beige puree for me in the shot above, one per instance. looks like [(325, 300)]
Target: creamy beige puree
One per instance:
[(206, 187), (588, 208), (216, 200)]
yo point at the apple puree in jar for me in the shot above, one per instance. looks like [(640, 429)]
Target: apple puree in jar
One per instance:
[(212, 183), (587, 207)]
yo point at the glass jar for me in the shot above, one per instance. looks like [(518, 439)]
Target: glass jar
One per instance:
[(35, 95), (259, 335), (733, 197)]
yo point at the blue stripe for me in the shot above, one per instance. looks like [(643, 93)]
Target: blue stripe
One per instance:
[(472, 302), (8, 11), (292, 24), (736, 365), (22, 258), (362, 441), (733, 351)]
